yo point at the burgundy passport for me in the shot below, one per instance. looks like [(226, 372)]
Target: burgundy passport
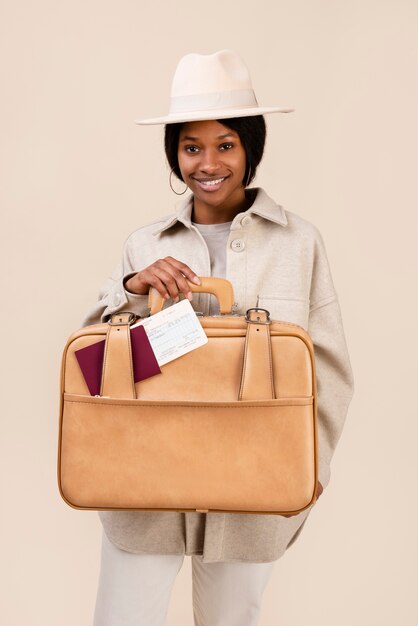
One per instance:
[(90, 360)]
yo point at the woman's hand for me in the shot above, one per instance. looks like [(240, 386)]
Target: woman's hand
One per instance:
[(167, 275)]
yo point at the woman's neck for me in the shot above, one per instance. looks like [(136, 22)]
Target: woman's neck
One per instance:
[(203, 213)]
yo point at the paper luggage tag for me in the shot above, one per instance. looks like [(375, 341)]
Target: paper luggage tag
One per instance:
[(173, 331)]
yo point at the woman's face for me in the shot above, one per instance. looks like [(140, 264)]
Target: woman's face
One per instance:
[(212, 161)]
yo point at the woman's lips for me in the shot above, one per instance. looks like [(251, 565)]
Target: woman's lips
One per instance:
[(211, 186)]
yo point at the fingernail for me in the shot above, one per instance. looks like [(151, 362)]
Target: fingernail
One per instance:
[(196, 280), (190, 295)]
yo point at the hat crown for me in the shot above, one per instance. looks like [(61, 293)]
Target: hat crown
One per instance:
[(222, 71), (209, 87)]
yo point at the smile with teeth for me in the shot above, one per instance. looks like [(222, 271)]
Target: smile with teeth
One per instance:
[(211, 183)]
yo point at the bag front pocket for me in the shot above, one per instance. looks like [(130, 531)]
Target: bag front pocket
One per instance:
[(239, 456)]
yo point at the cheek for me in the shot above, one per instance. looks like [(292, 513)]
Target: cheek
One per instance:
[(184, 163), (240, 160), (239, 167)]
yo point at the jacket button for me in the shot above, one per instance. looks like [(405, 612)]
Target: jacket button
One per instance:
[(116, 299), (237, 245)]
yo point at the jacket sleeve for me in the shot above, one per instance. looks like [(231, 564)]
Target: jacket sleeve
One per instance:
[(113, 296), (334, 376)]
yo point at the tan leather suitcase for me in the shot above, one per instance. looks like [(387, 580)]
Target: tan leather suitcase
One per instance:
[(230, 426)]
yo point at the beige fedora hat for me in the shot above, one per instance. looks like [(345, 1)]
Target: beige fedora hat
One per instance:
[(211, 86)]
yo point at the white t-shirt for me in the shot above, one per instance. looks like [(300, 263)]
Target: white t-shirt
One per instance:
[(216, 237)]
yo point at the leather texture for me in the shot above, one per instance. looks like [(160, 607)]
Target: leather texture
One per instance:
[(118, 358), (228, 427)]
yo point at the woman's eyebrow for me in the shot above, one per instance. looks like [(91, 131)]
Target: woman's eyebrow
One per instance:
[(190, 138)]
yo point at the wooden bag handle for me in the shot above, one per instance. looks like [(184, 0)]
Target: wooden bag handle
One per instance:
[(219, 287)]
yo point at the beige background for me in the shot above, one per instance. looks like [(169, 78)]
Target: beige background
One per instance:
[(78, 176)]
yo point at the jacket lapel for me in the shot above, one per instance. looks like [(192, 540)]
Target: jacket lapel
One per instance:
[(262, 205)]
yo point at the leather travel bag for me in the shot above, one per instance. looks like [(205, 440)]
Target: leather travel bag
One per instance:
[(228, 427)]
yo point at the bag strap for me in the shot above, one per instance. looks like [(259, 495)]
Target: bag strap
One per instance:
[(118, 371), (257, 370)]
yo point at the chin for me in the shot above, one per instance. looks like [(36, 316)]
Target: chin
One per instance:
[(212, 198)]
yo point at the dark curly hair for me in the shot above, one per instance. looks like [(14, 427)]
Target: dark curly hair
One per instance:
[(251, 131)]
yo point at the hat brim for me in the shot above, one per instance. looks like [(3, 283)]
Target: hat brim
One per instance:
[(212, 115)]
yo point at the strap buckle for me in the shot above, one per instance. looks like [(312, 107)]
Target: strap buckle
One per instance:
[(258, 320), (121, 322)]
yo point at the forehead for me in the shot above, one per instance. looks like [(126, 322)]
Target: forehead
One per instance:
[(205, 129)]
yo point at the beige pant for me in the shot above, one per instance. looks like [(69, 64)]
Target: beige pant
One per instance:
[(135, 589)]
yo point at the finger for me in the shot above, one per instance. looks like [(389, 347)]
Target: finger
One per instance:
[(177, 275), (155, 281), (184, 269), (164, 272)]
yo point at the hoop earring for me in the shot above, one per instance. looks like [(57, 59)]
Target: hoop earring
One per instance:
[(248, 178), (179, 194)]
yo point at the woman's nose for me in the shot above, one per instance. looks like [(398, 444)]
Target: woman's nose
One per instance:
[(210, 162)]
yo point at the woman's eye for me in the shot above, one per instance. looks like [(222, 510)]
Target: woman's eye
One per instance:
[(194, 149)]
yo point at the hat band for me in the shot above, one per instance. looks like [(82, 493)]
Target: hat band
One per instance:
[(241, 98)]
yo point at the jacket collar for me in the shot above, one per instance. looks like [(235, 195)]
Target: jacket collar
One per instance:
[(262, 205)]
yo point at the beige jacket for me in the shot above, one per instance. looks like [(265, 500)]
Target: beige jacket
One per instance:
[(275, 260)]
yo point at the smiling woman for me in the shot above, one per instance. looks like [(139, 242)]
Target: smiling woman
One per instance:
[(214, 141), (217, 159)]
